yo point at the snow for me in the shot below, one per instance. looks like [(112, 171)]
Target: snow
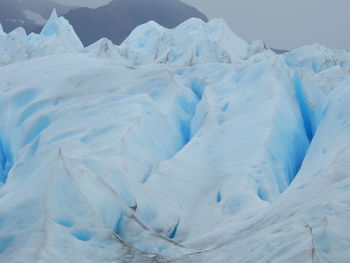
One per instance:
[(35, 17), (181, 145)]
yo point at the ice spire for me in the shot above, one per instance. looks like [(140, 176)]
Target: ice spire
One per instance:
[(60, 27), (1, 30), (52, 25)]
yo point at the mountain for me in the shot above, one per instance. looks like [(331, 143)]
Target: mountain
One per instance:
[(179, 145), (117, 19)]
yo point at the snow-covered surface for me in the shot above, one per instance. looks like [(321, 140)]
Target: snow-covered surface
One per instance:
[(183, 145)]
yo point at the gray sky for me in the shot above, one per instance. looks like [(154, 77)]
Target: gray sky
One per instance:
[(283, 24)]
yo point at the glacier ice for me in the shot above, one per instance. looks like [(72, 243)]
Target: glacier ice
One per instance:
[(182, 145)]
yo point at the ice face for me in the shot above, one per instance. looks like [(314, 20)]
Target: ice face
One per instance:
[(182, 145), (190, 43)]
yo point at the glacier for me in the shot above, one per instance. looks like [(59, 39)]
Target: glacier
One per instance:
[(180, 145)]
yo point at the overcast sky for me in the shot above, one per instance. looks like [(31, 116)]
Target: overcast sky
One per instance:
[(283, 24)]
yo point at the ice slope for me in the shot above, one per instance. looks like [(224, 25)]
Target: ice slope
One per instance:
[(310, 220), (183, 145), (103, 154)]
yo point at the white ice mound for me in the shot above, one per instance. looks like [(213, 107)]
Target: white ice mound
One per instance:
[(192, 42), (104, 48), (317, 58)]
